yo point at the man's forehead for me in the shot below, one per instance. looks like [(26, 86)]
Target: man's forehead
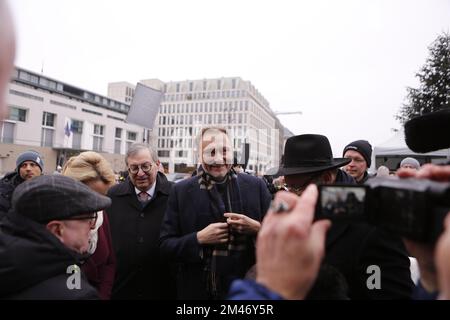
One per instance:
[(353, 153), (215, 136)]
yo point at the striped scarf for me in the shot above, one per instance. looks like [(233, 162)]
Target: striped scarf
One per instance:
[(217, 256)]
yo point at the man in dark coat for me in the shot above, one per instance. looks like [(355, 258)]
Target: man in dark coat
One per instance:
[(212, 220), (353, 248), (45, 238), (135, 216), (29, 164)]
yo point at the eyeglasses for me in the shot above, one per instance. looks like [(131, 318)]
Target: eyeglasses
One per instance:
[(134, 168), (92, 217)]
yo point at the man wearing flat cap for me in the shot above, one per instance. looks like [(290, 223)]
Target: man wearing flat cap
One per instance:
[(45, 238), (29, 164), (351, 247)]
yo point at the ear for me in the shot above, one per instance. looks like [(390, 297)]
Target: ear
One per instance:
[(56, 228)]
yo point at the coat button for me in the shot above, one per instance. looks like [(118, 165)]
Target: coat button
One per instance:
[(142, 215), (141, 240)]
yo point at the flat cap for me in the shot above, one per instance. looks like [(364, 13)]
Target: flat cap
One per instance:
[(56, 197)]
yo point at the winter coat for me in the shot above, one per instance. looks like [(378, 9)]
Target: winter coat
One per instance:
[(7, 186), (34, 264), (141, 273), (189, 211), (353, 247)]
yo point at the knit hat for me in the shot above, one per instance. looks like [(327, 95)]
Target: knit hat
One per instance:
[(411, 161), (363, 147), (30, 156)]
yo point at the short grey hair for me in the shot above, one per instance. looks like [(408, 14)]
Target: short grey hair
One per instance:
[(137, 147)]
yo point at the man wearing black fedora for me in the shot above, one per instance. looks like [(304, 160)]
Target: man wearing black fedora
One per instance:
[(352, 248)]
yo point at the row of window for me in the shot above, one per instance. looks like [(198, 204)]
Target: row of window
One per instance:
[(192, 132), (204, 85), (205, 95), (57, 86), (204, 119), (216, 107), (75, 129)]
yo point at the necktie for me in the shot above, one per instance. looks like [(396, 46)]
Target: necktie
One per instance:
[(143, 197)]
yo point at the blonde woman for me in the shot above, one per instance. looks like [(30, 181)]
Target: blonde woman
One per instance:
[(93, 170)]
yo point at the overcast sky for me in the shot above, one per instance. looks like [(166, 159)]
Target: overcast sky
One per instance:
[(344, 64)]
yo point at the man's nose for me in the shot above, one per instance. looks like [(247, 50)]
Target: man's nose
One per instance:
[(218, 158)]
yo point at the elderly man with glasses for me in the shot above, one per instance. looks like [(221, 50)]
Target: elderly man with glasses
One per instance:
[(45, 238), (136, 213)]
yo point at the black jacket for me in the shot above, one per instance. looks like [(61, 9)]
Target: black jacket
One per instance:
[(34, 263), (189, 211), (353, 247), (7, 186), (141, 273)]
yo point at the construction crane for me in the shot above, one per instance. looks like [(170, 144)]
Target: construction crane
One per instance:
[(288, 112)]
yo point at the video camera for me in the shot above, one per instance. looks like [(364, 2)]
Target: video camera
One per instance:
[(412, 208)]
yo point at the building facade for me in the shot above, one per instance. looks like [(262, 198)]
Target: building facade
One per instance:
[(234, 103), (60, 120)]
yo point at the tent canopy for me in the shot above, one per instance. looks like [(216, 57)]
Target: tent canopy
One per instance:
[(396, 147)]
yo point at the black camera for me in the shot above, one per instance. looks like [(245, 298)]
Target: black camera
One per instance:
[(412, 208)]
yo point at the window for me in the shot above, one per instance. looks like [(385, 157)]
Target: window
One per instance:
[(34, 79), (48, 119), (77, 126), (97, 144), (43, 82), (164, 153), (77, 131), (7, 132), (98, 137), (181, 154), (117, 146), (233, 83), (24, 75), (131, 135), (99, 129), (52, 85), (47, 137), (17, 114), (218, 85), (118, 133)]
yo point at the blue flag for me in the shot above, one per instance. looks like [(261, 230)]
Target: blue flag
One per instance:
[(67, 129)]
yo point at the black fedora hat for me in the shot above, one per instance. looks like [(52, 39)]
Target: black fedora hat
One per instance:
[(309, 153)]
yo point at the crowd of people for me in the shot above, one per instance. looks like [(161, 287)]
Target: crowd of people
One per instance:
[(220, 234)]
